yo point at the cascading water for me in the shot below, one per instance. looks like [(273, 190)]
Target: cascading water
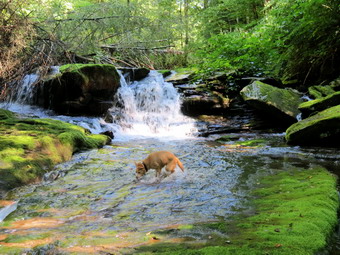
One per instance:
[(151, 108), (146, 108)]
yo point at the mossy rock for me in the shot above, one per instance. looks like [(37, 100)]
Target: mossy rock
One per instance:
[(165, 73), (180, 76), (320, 91), (79, 89), (322, 129), (31, 147), (134, 74), (281, 104), (317, 105)]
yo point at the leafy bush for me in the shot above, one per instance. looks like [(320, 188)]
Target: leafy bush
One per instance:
[(291, 39)]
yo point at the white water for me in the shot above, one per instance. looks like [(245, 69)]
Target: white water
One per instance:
[(147, 108), (151, 108)]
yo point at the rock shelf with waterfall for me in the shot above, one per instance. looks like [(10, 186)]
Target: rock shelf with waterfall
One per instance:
[(92, 203)]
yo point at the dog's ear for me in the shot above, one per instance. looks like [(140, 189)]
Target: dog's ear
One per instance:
[(136, 163)]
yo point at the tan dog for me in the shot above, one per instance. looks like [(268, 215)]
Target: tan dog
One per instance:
[(157, 160)]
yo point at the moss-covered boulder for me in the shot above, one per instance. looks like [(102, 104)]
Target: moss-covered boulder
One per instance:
[(180, 76), (317, 105), (320, 91), (31, 147), (79, 89), (322, 129), (281, 104)]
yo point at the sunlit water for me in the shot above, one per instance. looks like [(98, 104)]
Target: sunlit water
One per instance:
[(93, 203)]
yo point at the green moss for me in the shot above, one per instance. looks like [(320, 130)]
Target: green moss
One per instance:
[(182, 74), (81, 67), (320, 91), (316, 129), (165, 73), (320, 104), (295, 213), (230, 139), (273, 100), (31, 147), (22, 238), (226, 138)]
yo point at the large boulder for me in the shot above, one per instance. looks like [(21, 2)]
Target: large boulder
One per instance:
[(134, 74), (322, 128), (317, 105), (79, 89), (281, 104), (204, 103)]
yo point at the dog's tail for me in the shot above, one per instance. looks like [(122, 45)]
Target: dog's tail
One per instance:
[(179, 163)]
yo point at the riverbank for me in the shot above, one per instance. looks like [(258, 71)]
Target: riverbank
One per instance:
[(31, 147)]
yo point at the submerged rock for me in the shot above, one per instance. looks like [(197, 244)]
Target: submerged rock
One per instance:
[(317, 105), (322, 128), (80, 89), (281, 104)]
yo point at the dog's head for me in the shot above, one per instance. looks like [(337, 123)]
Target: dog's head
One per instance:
[(140, 170)]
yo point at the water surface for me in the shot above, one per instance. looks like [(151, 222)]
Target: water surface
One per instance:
[(97, 205)]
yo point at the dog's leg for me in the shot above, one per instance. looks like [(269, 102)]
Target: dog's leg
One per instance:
[(158, 172), (170, 167)]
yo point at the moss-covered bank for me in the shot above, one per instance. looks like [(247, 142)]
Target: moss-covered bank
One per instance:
[(31, 147), (295, 213)]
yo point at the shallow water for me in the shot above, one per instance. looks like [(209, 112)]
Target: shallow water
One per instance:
[(96, 205), (93, 203)]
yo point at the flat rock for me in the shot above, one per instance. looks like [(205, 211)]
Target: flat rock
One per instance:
[(273, 102)]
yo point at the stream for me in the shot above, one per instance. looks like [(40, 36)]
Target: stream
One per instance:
[(93, 203)]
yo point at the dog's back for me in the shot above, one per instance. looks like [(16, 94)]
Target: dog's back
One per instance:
[(159, 159)]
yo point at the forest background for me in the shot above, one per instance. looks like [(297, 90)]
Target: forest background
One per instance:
[(292, 40)]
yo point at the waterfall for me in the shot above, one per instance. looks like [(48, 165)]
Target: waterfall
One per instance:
[(146, 108), (150, 108), (25, 91)]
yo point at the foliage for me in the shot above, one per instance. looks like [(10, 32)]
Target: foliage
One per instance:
[(16, 32), (289, 39), (238, 50)]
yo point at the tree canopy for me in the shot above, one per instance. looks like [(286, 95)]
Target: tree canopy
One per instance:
[(287, 39)]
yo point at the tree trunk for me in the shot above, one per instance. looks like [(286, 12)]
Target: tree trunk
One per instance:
[(186, 20), (205, 4)]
